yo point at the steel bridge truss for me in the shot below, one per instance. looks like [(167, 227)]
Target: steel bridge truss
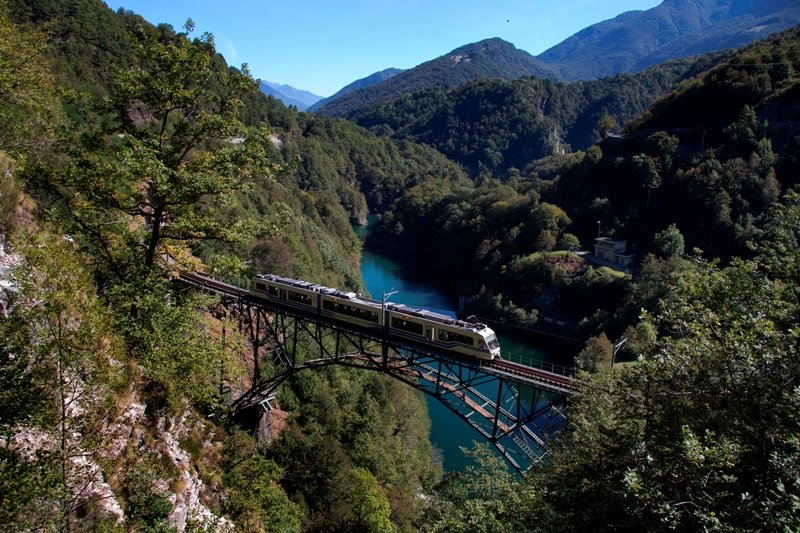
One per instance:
[(511, 412)]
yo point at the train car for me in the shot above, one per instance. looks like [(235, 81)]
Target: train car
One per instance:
[(286, 291), (350, 307), (470, 338)]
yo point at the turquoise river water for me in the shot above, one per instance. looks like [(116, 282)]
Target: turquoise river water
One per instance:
[(448, 431)]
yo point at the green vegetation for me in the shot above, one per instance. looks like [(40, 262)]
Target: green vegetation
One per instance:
[(113, 380), (492, 58), (653, 188), (492, 126), (636, 40), (700, 434), (112, 390)]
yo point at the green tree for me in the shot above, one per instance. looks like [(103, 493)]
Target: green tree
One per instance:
[(29, 110), (546, 241), (369, 504), (669, 242), (256, 501), (667, 148), (568, 241), (701, 434), (60, 375), (158, 176), (546, 217), (596, 355), (646, 171), (605, 125), (485, 497)]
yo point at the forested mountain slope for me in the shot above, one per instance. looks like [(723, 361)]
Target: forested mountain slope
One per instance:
[(372, 79), (168, 159), (492, 58), (711, 156), (493, 125), (636, 40)]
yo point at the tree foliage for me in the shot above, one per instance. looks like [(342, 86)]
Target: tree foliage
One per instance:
[(167, 162), (705, 428), (59, 376), (29, 110), (669, 242)]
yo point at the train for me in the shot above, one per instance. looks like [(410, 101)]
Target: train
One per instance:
[(466, 337)]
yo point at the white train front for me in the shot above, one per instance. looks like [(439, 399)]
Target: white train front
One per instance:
[(466, 337)]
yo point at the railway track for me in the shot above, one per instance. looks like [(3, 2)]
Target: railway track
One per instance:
[(537, 374), (557, 381)]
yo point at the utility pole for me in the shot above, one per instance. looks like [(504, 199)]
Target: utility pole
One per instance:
[(384, 297)]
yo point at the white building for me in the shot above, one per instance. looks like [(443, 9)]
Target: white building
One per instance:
[(612, 250)]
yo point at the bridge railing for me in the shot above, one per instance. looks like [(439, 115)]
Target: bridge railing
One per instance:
[(527, 360)]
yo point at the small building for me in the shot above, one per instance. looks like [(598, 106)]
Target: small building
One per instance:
[(612, 250)]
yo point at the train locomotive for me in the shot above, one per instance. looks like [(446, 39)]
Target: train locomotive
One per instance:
[(467, 337)]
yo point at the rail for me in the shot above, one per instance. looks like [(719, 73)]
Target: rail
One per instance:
[(544, 366), (561, 376)]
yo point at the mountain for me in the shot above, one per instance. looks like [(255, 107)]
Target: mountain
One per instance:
[(306, 97), (492, 125), (359, 84), (492, 58), (289, 95), (636, 40)]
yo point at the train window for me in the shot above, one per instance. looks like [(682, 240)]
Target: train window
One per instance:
[(451, 336), (270, 289), (349, 310), (298, 297), (407, 325), (261, 286), (491, 340)]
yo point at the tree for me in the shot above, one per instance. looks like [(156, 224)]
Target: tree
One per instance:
[(485, 497), (568, 241), (700, 434), (157, 177), (605, 125), (369, 504), (61, 369), (669, 242), (666, 146), (256, 501), (546, 241), (596, 355), (29, 109), (646, 171), (547, 217)]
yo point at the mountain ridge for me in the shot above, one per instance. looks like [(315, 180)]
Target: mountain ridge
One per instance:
[(635, 40), (490, 58), (372, 79), (287, 94)]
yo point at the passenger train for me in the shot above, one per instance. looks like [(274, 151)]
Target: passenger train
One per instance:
[(468, 337)]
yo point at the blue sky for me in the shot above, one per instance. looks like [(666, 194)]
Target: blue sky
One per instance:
[(322, 45)]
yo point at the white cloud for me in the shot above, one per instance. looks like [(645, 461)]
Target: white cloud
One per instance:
[(226, 48)]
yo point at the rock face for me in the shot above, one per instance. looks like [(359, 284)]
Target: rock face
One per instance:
[(360, 220), (6, 286)]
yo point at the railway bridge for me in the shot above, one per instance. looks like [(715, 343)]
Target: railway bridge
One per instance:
[(510, 405)]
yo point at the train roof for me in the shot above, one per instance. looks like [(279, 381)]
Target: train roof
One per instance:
[(472, 325), (436, 317), (336, 293)]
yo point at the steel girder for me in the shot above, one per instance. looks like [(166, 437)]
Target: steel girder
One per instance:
[(513, 413)]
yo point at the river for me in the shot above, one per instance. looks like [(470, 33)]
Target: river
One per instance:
[(448, 431)]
